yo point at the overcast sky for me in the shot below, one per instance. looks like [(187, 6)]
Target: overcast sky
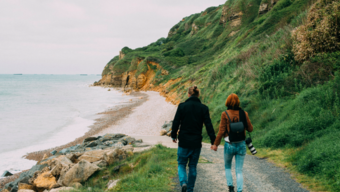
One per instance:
[(81, 36)]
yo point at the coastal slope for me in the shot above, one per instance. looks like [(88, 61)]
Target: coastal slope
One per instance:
[(281, 57)]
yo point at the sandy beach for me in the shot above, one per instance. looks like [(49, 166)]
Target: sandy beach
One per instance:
[(146, 119), (141, 118)]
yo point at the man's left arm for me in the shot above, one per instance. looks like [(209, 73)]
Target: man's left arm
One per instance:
[(175, 125), (209, 127)]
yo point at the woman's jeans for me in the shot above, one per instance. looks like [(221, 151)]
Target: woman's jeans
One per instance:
[(183, 155), (239, 151)]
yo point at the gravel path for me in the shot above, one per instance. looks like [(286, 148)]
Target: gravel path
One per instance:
[(259, 175)]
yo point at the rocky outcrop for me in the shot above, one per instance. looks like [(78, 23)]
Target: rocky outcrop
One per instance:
[(232, 16), (266, 6), (45, 180), (224, 16), (78, 173), (263, 8), (71, 166), (194, 29), (121, 55), (166, 129)]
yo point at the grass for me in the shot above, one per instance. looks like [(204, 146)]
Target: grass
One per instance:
[(151, 170), (293, 103)]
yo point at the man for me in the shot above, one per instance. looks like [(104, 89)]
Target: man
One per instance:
[(189, 118)]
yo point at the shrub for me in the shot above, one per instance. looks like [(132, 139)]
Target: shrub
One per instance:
[(321, 32)]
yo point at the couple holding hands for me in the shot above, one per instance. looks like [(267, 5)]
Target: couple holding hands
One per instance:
[(190, 117)]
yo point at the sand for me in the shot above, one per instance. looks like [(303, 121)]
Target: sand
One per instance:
[(146, 119)]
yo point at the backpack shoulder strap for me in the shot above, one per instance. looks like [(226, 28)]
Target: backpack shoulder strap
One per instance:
[(228, 117), (226, 129)]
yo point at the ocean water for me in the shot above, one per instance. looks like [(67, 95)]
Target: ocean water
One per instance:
[(39, 112)]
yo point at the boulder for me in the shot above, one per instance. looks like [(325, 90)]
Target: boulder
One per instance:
[(115, 156), (93, 156), (62, 189), (64, 151), (108, 137), (26, 190), (109, 143), (54, 152), (92, 144), (45, 180), (4, 190), (90, 139), (72, 157), (78, 173), (25, 176), (112, 183), (100, 163), (45, 156), (167, 126), (6, 174), (59, 164), (127, 140), (163, 132), (139, 141), (118, 145), (25, 186)]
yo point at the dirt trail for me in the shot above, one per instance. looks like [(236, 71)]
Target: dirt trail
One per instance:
[(259, 175)]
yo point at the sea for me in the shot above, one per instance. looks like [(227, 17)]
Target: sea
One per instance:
[(39, 112)]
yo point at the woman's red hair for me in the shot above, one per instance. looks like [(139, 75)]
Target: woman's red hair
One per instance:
[(232, 101)]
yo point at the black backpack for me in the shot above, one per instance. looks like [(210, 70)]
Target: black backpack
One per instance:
[(236, 129)]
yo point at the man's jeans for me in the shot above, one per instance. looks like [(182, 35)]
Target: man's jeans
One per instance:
[(183, 156), (239, 151)]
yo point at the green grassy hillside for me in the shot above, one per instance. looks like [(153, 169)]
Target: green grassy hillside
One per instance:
[(281, 57)]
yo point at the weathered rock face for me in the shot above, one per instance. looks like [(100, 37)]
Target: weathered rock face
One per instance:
[(194, 29), (263, 8), (224, 16), (141, 80), (267, 6), (234, 17), (93, 156), (79, 173), (121, 55)]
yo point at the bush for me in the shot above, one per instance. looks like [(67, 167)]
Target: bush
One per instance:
[(321, 32), (178, 52)]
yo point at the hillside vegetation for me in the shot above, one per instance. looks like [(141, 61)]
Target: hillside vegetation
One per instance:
[(281, 57)]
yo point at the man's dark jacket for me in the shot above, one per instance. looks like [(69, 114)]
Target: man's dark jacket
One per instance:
[(189, 118)]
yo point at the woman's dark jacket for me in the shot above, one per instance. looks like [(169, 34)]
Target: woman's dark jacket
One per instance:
[(189, 118)]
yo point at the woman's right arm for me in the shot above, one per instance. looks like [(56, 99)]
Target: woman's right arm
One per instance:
[(221, 129), (250, 126)]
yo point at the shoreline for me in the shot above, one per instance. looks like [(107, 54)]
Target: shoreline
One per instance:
[(106, 119), (150, 111)]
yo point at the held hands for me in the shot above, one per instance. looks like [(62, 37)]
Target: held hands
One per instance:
[(213, 147), (174, 140)]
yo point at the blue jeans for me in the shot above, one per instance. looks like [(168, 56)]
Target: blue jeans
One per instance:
[(183, 156), (239, 151)]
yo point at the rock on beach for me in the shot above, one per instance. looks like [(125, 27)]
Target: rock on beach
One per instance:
[(71, 166)]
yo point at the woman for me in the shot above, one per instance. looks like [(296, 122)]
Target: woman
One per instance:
[(190, 117), (231, 149)]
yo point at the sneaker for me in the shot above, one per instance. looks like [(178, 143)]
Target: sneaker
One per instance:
[(231, 189), (184, 188)]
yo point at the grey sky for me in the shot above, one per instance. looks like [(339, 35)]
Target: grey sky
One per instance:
[(81, 36)]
